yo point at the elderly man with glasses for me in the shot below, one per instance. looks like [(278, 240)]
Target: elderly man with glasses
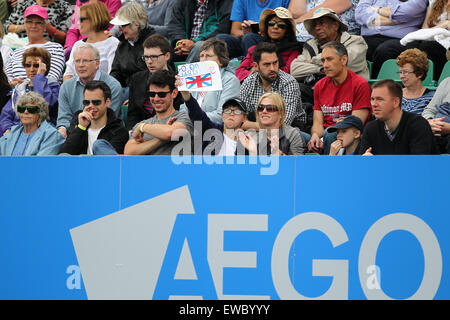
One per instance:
[(87, 61)]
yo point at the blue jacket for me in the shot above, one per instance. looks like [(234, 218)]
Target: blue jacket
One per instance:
[(46, 141), (71, 97), (46, 87)]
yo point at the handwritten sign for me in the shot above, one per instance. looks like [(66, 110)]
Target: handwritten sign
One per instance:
[(200, 76)]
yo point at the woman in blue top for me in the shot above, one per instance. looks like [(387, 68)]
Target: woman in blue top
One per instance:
[(413, 67), (34, 135)]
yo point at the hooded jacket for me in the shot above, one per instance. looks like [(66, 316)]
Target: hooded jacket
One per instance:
[(356, 46)]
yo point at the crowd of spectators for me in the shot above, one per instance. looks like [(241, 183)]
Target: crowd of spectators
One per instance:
[(297, 77)]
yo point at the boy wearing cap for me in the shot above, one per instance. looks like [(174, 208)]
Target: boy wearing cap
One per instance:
[(233, 117), (349, 132)]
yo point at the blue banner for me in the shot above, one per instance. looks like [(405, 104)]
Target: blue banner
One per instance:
[(162, 228)]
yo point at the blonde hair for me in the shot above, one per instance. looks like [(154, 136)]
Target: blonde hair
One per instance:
[(135, 13), (278, 101), (98, 15)]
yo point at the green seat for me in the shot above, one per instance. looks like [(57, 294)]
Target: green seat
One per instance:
[(445, 72), (390, 68), (178, 64), (124, 114), (369, 66)]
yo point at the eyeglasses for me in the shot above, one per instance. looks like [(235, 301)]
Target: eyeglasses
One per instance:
[(152, 57), (280, 24), (83, 61), (235, 111), (95, 102), (29, 65), (268, 107), (31, 109), (404, 72), (83, 18), (160, 94), (37, 23)]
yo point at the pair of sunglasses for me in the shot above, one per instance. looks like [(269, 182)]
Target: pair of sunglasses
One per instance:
[(160, 94), (268, 107), (31, 109), (95, 102), (280, 25), (28, 65)]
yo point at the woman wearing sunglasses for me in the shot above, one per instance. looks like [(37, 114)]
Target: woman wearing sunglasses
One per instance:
[(277, 26), (274, 137), (33, 135), (94, 20), (36, 62)]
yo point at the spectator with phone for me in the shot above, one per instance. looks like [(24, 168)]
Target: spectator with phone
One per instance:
[(244, 15), (36, 62)]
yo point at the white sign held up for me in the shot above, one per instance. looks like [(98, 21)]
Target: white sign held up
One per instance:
[(200, 76)]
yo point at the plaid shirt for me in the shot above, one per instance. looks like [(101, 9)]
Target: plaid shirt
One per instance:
[(285, 85), (199, 16)]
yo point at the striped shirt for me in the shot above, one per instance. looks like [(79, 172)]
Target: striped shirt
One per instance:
[(417, 105), (59, 15), (15, 69)]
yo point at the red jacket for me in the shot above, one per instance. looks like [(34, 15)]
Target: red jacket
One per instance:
[(247, 64)]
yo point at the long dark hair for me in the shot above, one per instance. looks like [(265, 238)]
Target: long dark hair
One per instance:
[(289, 41), (3, 77)]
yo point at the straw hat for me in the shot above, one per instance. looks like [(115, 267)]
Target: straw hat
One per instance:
[(281, 13), (323, 12)]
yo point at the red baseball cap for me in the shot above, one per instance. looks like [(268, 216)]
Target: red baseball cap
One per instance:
[(36, 10)]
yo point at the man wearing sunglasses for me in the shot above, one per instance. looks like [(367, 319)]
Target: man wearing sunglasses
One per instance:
[(95, 129), (159, 134)]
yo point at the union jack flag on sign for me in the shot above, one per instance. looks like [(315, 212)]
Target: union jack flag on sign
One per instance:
[(199, 81)]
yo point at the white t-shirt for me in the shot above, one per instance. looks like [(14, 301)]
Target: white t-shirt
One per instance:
[(107, 49), (92, 137), (228, 147)]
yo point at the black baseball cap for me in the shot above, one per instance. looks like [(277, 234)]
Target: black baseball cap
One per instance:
[(235, 102), (348, 122)]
